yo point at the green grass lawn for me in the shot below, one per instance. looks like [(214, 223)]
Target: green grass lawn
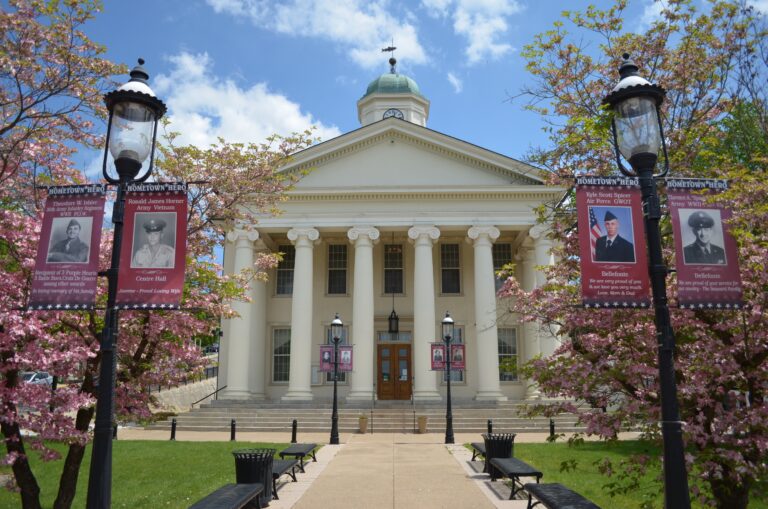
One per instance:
[(586, 479), (148, 474)]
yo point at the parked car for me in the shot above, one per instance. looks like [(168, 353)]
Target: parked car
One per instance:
[(213, 348), (36, 377)]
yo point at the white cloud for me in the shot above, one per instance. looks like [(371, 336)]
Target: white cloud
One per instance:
[(651, 14), (455, 82), (204, 106), (760, 6), (481, 22), (361, 27)]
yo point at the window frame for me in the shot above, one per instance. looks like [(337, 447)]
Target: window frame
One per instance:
[(274, 356), (444, 268), (401, 269), (502, 355), (499, 264), (329, 269), (288, 272)]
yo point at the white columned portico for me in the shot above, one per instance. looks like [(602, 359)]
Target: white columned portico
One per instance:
[(531, 346), (239, 337), (424, 322), (299, 382), (542, 247), (486, 329), (361, 384)]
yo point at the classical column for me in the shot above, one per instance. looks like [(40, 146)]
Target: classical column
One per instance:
[(486, 330), (259, 354), (361, 382), (530, 329), (299, 382), (424, 320), (239, 337), (542, 247)]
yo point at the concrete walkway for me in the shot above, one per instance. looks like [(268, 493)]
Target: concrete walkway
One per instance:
[(381, 470)]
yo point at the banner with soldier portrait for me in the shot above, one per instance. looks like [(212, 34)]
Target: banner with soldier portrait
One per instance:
[(705, 252), (152, 256), (614, 261), (67, 259)]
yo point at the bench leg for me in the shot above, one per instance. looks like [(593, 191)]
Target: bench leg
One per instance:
[(274, 489), (292, 473), (474, 455), (313, 456), (301, 465)]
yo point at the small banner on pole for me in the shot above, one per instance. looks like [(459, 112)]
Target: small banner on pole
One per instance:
[(152, 257), (437, 351), (457, 357), (705, 252), (614, 260), (67, 259), (326, 358)]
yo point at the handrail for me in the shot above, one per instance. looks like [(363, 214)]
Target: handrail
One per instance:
[(208, 396)]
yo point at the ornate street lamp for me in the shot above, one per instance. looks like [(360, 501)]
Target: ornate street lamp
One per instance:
[(133, 114), (448, 331), (337, 328), (637, 136)]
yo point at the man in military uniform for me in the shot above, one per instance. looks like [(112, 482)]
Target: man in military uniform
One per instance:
[(154, 254), (702, 251), (71, 249), (612, 247)]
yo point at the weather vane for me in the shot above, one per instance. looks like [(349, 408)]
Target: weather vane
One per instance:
[(391, 48)]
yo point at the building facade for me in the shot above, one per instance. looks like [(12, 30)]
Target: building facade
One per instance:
[(390, 217)]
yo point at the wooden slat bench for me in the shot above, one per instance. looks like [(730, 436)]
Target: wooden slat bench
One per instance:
[(478, 449), (280, 467), (556, 496), (514, 469), (299, 451), (232, 496)]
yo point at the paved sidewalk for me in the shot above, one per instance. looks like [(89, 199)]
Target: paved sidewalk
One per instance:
[(382, 470)]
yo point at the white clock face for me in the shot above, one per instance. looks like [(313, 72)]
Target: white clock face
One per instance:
[(393, 112)]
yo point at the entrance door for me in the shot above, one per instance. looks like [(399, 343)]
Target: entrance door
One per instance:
[(394, 371)]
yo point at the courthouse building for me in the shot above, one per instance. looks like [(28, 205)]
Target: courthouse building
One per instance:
[(393, 216)]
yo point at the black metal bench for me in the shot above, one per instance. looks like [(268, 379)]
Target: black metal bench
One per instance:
[(556, 496), (299, 451), (514, 469), (478, 449), (280, 467), (232, 496)]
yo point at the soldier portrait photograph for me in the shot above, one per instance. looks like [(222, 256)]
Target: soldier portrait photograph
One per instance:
[(617, 245), (65, 245), (704, 239), (154, 241)]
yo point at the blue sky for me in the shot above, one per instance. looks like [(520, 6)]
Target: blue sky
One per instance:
[(243, 69)]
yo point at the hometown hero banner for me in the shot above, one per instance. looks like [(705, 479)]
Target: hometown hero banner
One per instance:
[(614, 261), (152, 257), (67, 259), (706, 254)]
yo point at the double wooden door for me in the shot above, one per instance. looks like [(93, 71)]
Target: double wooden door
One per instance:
[(394, 371)]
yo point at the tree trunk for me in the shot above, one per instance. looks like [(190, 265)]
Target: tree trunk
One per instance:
[(25, 479), (72, 463), (729, 495)]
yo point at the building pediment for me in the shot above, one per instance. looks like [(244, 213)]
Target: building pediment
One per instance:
[(395, 154)]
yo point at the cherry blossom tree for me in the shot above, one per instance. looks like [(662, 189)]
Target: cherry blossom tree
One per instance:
[(605, 369)]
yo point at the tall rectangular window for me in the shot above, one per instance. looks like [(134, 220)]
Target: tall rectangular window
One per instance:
[(281, 355), (337, 269), (449, 268), (329, 340), (507, 354), (393, 268), (284, 278), (502, 255), (456, 375)]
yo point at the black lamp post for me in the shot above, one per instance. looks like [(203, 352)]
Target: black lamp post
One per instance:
[(131, 132), (638, 135), (337, 327), (447, 336)]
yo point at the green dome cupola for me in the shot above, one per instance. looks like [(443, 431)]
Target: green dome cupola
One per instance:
[(393, 95)]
